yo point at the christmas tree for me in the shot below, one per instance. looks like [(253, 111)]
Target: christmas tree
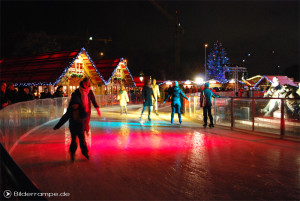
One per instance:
[(217, 61)]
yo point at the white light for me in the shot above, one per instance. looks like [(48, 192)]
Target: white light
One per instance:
[(199, 80), (187, 82), (244, 60), (212, 81), (249, 55), (141, 78), (232, 81), (168, 82), (91, 38)]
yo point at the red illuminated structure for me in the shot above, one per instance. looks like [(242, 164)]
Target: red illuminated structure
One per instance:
[(64, 68)]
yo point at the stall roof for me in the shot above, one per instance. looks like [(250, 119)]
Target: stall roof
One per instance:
[(108, 67), (43, 69), (256, 80)]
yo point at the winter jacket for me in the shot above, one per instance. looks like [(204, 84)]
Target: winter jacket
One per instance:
[(76, 117), (175, 94), (123, 97), (156, 91), (58, 94), (147, 95), (46, 95), (3, 99), (91, 98), (205, 97), (12, 96)]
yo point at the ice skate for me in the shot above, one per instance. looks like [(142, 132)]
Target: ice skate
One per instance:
[(72, 157), (211, 125), (86, 155), (204, 125)]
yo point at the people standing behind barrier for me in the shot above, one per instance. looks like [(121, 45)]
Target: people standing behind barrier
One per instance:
[(187, 90), (240, 93), (156, 93), (3, 98), (77, 115), (58, 93), (46, 94), (24, 94), (206, 103), (175, 101), (11, 93), (194, 90), (124, 99), (147, 95), (87, 97), (35, 93)]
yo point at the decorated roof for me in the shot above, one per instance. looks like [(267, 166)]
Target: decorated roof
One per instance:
[(257, 80), (43, 69), (108, 67), (281, 79)]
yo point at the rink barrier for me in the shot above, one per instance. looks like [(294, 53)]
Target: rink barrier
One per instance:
[(249, 114), (20, 118)]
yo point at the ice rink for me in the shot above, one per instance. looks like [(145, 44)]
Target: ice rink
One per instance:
[(142, 160)]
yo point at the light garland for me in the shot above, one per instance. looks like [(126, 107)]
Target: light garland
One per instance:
[(121, 60), (70, 65)]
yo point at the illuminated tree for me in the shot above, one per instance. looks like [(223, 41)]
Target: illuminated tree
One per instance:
[(216, 62)]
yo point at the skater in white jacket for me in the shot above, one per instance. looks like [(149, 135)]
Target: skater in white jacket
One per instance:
[(156, 93), (123, 97)]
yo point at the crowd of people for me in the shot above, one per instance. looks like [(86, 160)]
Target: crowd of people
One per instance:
[(10, 94)]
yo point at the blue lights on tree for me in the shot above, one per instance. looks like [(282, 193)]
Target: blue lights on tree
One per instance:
[(217, 61)]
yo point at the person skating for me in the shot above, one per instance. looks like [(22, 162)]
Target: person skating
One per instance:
[(147, 94), (123, 98), (205, 102), (156, 93), (88, 98), (175, 94), (76, 115)]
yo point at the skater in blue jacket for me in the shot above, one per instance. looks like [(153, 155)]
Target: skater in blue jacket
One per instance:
[(205, 102), (176, 92)]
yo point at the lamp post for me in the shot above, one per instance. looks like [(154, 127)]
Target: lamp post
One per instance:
[(205, 62)]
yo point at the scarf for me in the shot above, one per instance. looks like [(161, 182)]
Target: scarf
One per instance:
[(85, 98)]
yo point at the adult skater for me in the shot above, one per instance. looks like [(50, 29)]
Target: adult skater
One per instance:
[(147, 94), (87, 97), (76, 115), (176, 92), (205, 102), (123, 97), (156, 93)]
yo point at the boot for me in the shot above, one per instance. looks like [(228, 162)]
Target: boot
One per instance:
[(72, 157), (149, 118), (204, 125), (86, 155), (211, 125), (171, 120)]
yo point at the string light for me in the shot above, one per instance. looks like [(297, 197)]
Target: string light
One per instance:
[(70, 65)]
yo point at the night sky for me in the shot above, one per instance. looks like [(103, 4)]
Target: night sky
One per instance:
[(141, 33)]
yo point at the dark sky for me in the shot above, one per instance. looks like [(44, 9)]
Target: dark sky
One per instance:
[(268, 30)]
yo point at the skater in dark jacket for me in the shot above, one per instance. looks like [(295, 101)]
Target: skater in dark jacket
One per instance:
[(176, 92), (147, 98), (76, 115), (205, 102)]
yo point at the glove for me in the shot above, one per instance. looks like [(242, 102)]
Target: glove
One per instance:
[(98, 111)]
